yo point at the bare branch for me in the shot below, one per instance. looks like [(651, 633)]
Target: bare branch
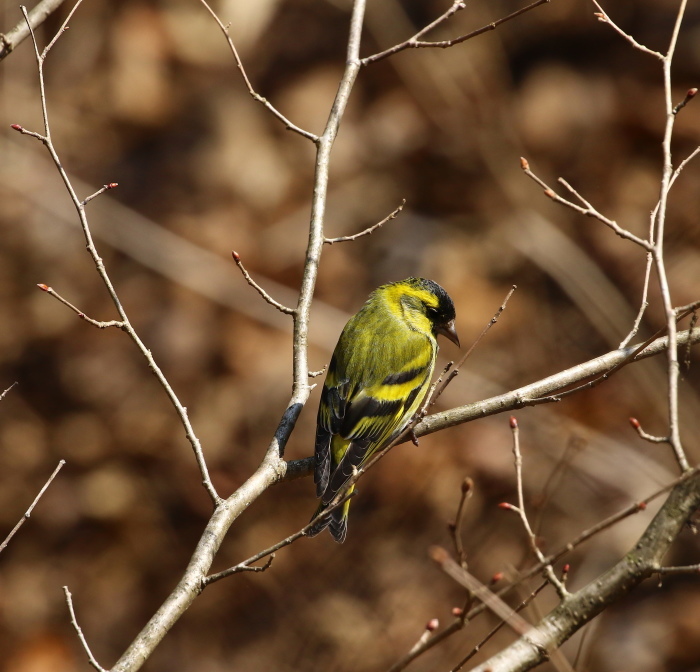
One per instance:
[(467, 354), (28, 512), (106, 187), (674, 571), (455, 528), (688, 97), (256, 96), (9, 41), (520, 510), (100, 325), (415, 43), (246, 565), (258, 288), (541, 391), (481, 644), (604, 18), (581, 607), (369, 231), (636, 425), (2, 396), (479, 590), (587, 210), (102, 272), (81, 636)]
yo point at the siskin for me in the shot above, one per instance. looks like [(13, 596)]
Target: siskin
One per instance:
[(377, 379)]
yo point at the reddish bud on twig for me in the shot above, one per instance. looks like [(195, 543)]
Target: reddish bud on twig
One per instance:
[(506, 506), (43, 287), (566, 568), (635, 423), (549, 193), (642, 506), (691, 92), (524, 163), (236, 256), (112, 185), (498, 576), (467, 485), (17, 127), (432, 625), (457, 611), (513, 422)]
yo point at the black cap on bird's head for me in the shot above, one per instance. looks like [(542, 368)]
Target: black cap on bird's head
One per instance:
[(439, 307)]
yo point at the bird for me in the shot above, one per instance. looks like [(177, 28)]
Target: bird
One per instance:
[(376, 381)]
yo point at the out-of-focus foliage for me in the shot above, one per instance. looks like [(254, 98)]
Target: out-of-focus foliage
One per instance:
[(147, 95)]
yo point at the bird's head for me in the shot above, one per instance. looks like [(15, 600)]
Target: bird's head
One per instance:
[(432, 301)]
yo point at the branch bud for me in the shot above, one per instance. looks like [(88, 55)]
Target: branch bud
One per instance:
[(236, 256), (432, 625), (457, 611), (506, 506), (524, 163), (498, 576), (635, 423), (16, 127), (467, 485), (549, 193), (43, 287), (112, 185), (513, 422)]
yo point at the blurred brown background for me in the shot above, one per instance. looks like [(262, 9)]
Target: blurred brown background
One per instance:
[(146, 94)]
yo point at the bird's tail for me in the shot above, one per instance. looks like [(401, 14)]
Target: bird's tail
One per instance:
[(336, 520)]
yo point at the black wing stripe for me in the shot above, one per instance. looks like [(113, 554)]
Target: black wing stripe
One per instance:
[(403, 377)]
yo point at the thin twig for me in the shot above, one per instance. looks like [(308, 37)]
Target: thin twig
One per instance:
[(96, 323), (479, 590), (658, 252), (636, 425), (498, 627), (2, 396), (691, 93), (587, 209), (455, 528), (458, 623), (258, 288), (245, 565), (671, 571), (9, 41), (28, 512), (547, 390), (99, 264), (369, 231), (467, 354), (91, 659), (604, 18), (520, 510), (254, 94), (415, 43), (106, 187)]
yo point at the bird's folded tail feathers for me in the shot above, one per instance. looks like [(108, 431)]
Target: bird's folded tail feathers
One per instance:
[(336, 521)]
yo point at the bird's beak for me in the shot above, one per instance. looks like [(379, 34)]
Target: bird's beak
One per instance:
[(448, 331)]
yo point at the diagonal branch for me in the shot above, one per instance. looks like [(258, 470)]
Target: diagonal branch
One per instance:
[(10, 40), (416, 43), (254, 94)]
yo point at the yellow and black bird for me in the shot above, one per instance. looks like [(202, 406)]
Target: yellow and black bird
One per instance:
[(377, 379)]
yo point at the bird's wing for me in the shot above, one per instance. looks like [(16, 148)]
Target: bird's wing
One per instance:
[(331, 413), (375, 412)]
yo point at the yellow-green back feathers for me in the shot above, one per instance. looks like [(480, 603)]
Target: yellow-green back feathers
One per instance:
[(378, 376)]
